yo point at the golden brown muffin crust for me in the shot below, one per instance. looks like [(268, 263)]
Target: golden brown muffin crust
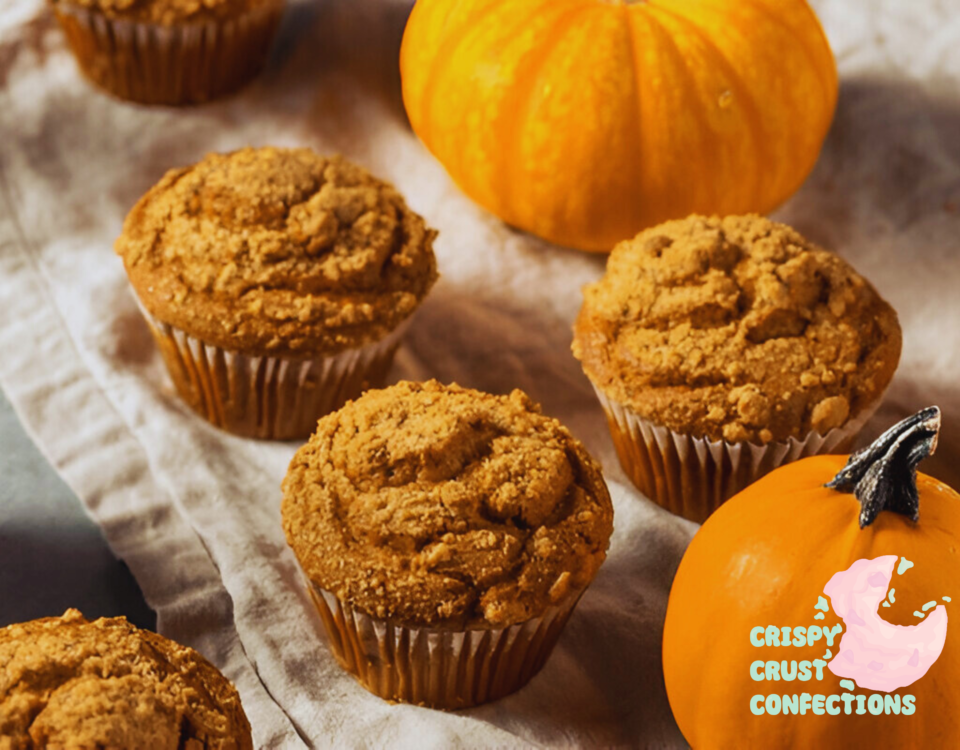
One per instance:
[(736, 329), (278, 251), (436, 505), (169, 12), (69, 683)]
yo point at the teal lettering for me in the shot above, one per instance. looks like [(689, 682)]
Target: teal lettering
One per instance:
[(847, 699), (819, 664), (756, 673), (891, 704), (756, 636), (790, 704), (832, 705), (772, 704), (831, 633), (818, 702), (800, 636), (772, 635)]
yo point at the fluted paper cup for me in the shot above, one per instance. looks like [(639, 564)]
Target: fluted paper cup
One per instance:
[(439, 668), (185, 63), (692, 476), (273, 398)]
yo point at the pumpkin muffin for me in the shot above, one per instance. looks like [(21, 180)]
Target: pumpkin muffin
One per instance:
[(277, 283), (169, 51), (722, 348), (446, 535), (69, 683)]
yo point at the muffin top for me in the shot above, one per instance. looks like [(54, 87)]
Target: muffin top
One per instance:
[(277, 251), (169, 12), (66, 682), (737, 329), (441, 506)]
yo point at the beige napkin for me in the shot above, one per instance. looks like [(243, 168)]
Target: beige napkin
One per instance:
[(195, 513)]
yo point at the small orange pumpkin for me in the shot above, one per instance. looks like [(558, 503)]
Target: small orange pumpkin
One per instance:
[(585, 121), (765, 559)]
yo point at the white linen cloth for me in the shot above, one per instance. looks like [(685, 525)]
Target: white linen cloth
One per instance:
[(195, 512)]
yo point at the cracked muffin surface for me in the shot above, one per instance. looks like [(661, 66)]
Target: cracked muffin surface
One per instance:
[(69, 683), (737, 329), (278, 251), (437, 505), (169, 12)]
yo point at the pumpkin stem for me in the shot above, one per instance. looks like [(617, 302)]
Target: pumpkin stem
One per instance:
[(883, 476)]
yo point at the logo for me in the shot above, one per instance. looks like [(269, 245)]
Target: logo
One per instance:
[(871, 654)]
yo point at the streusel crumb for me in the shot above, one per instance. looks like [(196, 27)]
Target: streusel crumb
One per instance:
[(170, 12), (278, 251), (69, 683), (736, 328), (440, 505)]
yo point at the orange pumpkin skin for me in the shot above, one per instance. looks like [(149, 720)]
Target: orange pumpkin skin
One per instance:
[(763, 559), (586, 121)]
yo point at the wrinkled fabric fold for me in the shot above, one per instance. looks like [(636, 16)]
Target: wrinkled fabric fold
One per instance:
[(195, 511)]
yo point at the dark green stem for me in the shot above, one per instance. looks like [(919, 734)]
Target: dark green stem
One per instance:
[(883, 476)]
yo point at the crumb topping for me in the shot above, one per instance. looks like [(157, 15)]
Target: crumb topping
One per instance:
[(169, 12), (737, 329), (442, 506), (69, 683), (279, 251)]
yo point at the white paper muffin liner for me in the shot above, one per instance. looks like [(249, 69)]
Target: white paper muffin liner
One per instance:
[(438, 668), (275, 398), (185, 63), (692, 476)]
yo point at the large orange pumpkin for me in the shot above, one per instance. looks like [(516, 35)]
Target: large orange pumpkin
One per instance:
[(585, 121), (764, 559)]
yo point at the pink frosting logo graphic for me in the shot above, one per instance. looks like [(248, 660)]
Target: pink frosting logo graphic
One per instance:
[(876, 654), (871, 653)]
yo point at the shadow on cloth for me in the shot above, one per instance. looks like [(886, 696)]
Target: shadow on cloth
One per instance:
[(886, 195), (329, 57), (595, 689), (338, 45), (47, 571)]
